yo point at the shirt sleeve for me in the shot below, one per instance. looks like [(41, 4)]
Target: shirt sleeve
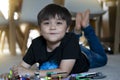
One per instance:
[(29, 56)]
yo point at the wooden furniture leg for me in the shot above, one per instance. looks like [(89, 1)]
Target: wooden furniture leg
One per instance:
[(117, 31)]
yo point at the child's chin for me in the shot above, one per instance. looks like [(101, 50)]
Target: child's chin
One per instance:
[(54, 40)]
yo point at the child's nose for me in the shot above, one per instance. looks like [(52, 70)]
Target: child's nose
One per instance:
[(53, 26)]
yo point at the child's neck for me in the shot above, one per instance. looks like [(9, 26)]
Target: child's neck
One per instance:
[(52, 46)]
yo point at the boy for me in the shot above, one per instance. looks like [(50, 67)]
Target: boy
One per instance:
[(57, 50)]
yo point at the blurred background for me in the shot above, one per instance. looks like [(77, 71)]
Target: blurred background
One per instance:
[(18, 26), (18, 22)]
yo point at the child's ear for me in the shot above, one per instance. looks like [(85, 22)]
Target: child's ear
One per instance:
[(39, 31), (68, 28)]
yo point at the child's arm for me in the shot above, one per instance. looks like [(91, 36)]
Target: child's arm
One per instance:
[(24, 68)]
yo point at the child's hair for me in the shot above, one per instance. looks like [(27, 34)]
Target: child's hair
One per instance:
[(51, 10)]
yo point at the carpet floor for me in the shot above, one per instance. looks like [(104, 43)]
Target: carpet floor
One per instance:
[(111, 70)]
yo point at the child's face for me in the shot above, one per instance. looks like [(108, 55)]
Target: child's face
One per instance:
[(53, 30)]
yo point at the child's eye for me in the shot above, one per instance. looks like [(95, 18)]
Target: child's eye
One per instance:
[(45, 23), (59, 22)]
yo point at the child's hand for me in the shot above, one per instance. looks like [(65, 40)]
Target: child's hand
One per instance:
[(82, 20), (19, 70), (4, 76)]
